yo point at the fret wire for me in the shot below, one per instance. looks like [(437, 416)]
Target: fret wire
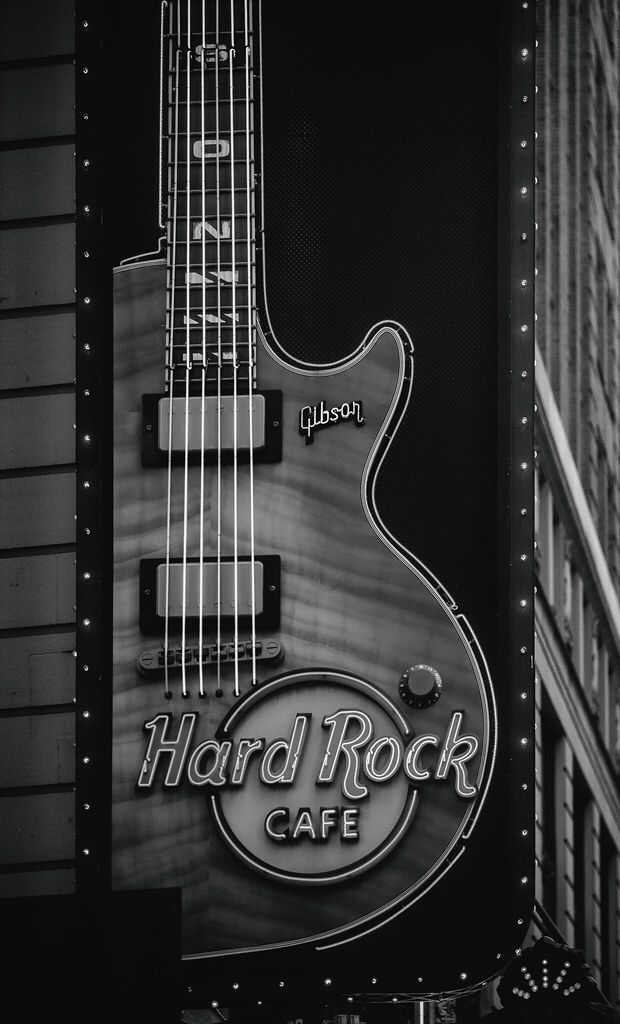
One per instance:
[(211, 268), (195, 243), (198, 35), (212, 191), (225, 308), (242, 367), (224, 104), (212, 328), (212, 271), (196, 217), (208, 309), (210, 284), (198, 135), (198, 327), (181, 348), (211, 35), (196, 163), (197, 71)]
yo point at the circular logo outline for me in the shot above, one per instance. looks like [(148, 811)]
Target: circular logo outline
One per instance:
[(236, 714)]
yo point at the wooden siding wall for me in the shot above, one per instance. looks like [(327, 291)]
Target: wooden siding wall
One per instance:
[(37, 448)]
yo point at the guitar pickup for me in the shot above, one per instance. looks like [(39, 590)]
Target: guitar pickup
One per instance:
[(164, 427), (221, 587), (151, 663)]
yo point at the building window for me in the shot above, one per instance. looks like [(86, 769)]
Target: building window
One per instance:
[(608, 903), (567, 617), (558, 566), (595, 666), (612, 513), (581, 799), (587, 641), (549, 738), (610, 172), (610, 712), (602, 310), (603, 476), (616, 744), (604, 682), (544, 548), (605, 156), (608, 10), (612, 366)]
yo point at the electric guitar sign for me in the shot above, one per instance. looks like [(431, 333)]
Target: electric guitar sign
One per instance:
[(315, 631)]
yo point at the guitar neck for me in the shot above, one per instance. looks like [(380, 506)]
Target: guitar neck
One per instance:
[(210, 190)]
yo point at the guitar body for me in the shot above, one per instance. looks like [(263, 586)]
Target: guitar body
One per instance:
[(352, 602)]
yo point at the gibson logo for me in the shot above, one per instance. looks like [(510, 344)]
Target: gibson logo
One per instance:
[(338, 770), (315, 417)]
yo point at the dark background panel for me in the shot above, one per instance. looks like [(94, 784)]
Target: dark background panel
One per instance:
[(380, 143)]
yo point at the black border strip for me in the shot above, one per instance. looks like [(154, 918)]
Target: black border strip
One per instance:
[(93, 326), (522, 335)]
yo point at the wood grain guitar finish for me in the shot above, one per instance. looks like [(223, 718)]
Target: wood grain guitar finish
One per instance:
[(352, 600)]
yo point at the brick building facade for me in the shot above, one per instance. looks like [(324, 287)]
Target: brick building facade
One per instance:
[(578, 477)]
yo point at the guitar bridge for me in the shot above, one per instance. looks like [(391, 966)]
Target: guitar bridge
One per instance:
[(151, 663)]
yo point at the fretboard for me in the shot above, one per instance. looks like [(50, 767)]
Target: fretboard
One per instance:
[(210, 193)]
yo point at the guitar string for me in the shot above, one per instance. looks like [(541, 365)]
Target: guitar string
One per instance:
[(250, 329), (168, 691), (203, 57), (231, 56), (188, 361), (219, 346)]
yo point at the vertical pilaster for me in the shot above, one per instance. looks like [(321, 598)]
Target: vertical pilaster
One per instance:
[(578, 636), (546, 541), (558, 567), (603, 702)]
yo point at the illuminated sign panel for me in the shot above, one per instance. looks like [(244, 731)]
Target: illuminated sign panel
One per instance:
[(323, 511)]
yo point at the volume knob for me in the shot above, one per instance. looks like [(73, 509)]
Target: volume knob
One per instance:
[(420, 700)]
